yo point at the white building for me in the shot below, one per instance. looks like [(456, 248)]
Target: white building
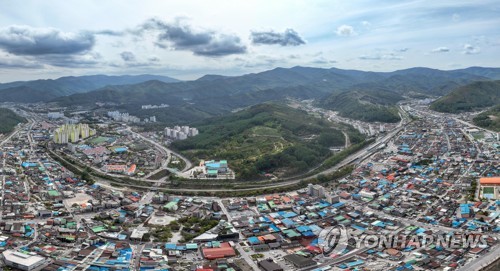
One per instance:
[(125, 117), (331, 198), (316, 190), (193, 132), (180, 133), (182, 136), (24, 261)]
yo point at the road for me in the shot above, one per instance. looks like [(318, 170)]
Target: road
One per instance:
[(333, 261), (167, 151), (347, 140), (238, 247), (483, 261)]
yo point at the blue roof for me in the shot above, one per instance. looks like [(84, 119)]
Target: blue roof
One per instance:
[(358, 262), (274, 228), (464, 208), (303, 228), (287, 214), (170, 246), (338, 204), (287, 222), (308, 234), (213, 165), (254, 240), (358, 228)]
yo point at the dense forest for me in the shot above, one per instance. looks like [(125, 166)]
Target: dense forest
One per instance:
[(471, 97), (489, 119), (370, 105), (9, 120)]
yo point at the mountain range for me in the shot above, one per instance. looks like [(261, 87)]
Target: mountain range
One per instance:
[(46, 90), (213, 95)]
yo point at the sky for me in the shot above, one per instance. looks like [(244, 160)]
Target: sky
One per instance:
[(188, 39)]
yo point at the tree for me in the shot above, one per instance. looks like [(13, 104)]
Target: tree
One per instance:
[(146, 237)]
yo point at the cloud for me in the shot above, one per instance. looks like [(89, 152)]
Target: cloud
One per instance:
[(10, 62), (107, 32), (471, 50), (179, 35), (154, 59), (389, 56), (288, 38), (440, 50), (89, 60), (127, 56), (323, 61), (345, 31), (26, 40)]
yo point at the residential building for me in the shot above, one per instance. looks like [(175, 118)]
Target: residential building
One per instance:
[(24, 260), (316, 190)]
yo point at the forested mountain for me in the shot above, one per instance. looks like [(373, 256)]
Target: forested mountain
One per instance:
[(471, 97), (8, 120), (267, 138)]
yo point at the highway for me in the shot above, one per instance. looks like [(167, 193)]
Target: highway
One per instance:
[(483, 261)]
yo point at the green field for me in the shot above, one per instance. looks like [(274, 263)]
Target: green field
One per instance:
[(488, 190)]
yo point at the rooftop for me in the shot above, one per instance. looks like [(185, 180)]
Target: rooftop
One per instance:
[(490, 180)]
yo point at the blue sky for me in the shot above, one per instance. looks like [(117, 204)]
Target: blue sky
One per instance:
[(187, 39)]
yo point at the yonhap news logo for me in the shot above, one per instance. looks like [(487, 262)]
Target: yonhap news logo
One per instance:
[(334, 240)]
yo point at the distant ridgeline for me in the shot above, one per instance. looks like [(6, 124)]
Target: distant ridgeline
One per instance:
[(368, 96), (8, 120)]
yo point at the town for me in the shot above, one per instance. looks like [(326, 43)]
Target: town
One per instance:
[(75, 197)]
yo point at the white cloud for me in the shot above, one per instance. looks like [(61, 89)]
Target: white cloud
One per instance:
[(345, 31), (471, 49), (440, 50)]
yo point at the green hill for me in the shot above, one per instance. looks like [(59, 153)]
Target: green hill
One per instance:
[(264, 138), (9, 120), (367, 105), (489, 119), (471, 97)]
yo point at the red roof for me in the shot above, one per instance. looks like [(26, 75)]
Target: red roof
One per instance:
[(219, 252), (489, 180)]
